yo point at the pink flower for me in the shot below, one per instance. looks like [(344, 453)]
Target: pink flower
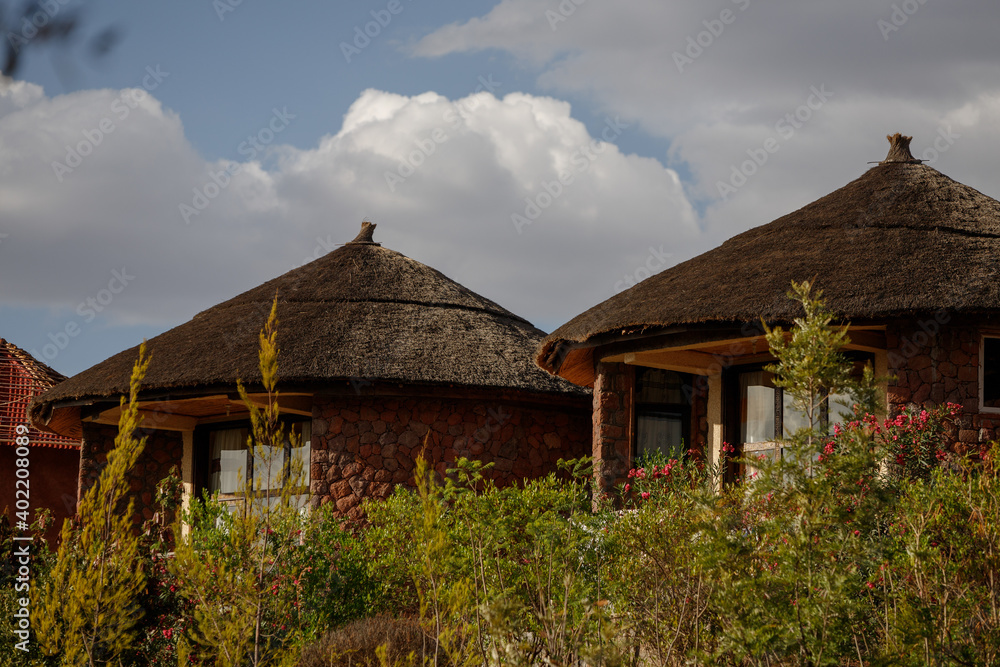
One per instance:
[(645, 495), (627, 487), (168, 633)]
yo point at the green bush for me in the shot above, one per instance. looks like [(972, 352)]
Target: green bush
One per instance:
[(870, 545)]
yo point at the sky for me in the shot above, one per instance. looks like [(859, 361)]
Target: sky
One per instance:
[(547, 154)]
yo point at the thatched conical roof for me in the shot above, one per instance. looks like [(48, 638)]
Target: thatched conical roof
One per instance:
[(360, 312), (901, 239)]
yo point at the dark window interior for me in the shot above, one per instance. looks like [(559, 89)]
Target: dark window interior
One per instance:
[(662, 412), (991, 372)]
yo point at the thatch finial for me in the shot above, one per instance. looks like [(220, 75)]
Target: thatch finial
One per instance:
[(366, 233), (899, 149)]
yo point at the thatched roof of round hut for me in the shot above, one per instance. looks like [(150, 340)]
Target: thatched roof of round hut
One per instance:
[(360, 313), (901, 239)]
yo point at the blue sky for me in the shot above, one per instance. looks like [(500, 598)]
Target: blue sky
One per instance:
[(647, 111)]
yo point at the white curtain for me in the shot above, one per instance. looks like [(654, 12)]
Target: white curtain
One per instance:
[(659, 432), (793, 420), (757, 423), (302, 455), (229, 449)]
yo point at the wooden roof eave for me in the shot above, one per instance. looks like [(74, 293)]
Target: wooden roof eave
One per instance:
[(183, 414), (700, 350), (711, 357)]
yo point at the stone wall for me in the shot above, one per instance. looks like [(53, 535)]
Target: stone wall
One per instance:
[(936, 360), (614, 387), (164, 449), (364, 445)]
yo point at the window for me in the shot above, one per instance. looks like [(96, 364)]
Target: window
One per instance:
[(230, 463), (767, 415), (663, 412), (990, 369)]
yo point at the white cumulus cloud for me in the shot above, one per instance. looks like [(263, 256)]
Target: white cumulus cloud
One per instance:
[(510, 196)]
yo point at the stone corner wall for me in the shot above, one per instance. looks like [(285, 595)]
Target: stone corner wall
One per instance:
[(935, 359), (164, 450), (612, 422)]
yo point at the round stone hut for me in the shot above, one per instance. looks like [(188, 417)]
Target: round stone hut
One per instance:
[(907, 257), (381, 358)]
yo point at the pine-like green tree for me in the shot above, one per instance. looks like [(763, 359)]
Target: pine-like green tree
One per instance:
[(234, 566), (87, 613)]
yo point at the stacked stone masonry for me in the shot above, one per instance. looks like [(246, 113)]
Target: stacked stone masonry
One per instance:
[(612, 422), (164, 450), (362, 447), (934, 361)]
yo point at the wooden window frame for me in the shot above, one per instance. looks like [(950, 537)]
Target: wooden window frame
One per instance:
[(732, 418), (203, 461), (683, 408), (983, 408)]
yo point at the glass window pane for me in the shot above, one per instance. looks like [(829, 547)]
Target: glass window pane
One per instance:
[(227, 460), (660, 432), (757, 407), (268, 467), (991, 372), (762, 455), (301, 457), (840, 409), (659, 386), (791, 419)]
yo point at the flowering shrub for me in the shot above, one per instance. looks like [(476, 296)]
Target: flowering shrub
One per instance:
[(654, 478), (854, 548), (915, 440)]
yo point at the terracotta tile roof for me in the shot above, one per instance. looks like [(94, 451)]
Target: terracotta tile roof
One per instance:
[(22, 377)]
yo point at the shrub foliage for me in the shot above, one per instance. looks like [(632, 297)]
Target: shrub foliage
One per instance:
[(864, 543)]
